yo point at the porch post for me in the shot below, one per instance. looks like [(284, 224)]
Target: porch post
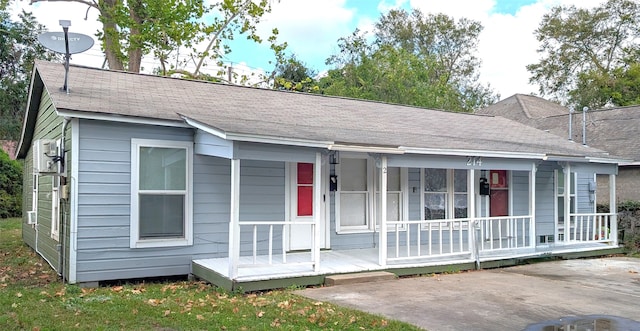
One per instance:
[(532, 204), (613, 209), (234, 220), (567, 202), (382, 252), (317, 193), (473, 240)]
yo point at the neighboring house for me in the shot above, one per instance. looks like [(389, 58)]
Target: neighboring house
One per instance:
[(9, 146), (130, 176), (615, 130)]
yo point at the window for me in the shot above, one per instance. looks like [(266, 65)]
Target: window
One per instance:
[(560, 199), (55, 207), (32, 216), (55, 200), (445, 194), (353, 194), (161, 213), (395, 206), (304, 184)]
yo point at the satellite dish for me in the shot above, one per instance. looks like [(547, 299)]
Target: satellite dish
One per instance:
[(54, 41)]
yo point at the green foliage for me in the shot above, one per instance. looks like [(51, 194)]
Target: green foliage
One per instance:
[(419, 60), (588, 56), (628, 226), (294, 75), (10, 186), (18, 50), (175, 32), (33, 298)]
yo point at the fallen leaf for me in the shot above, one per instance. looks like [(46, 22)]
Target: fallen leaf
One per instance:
[(199, 317), (260, 314), (167, 312), (633, 272), (117, 288), (19, 295)]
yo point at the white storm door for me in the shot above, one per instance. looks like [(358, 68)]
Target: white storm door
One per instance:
[(301, 209)]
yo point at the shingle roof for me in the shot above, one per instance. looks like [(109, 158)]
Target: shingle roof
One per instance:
[(290, 115), (524, 108), (616, 130)]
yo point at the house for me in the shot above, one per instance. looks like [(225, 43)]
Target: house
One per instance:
[(614, 130), (131, 176)]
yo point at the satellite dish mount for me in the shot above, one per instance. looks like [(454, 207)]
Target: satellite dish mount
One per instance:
[(66, 43), (65, 28)]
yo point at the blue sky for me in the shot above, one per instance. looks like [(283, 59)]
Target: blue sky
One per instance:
[(312, 28)]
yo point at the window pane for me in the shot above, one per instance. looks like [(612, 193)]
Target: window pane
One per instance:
[(393, 207), (435, 180), (163, 168), (460, 205), (460, 180), (161, 216), (354, 174), (305, 173), (305, 200), (393, 179), (560, 182), (353, 209), (435, 206)]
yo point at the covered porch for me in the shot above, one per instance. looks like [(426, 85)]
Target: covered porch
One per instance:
[(299, 272), (401, 230)]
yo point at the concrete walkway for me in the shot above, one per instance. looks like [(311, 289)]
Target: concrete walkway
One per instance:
[(499, 299)]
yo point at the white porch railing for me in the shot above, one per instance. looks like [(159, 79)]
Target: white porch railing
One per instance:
[(431, 238), (594, 227), (413, 240), (505, 233), (262, 251)]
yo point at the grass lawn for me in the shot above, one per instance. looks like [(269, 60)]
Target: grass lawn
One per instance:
[(32, 297)]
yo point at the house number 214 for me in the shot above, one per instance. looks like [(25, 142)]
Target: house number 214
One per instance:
[(474, 161)]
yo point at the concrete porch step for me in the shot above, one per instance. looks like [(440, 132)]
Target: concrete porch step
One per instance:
[(363, 277)]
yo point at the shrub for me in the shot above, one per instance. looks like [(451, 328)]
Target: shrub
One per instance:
[(10, 187), (628, 224)]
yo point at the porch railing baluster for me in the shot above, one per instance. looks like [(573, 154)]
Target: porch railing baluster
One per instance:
[(255, 243)]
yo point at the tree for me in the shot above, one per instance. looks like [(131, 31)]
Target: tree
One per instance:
[(19, 48), (10, 186), (583, 51), (414, 59), (164, 28), (293, 74)]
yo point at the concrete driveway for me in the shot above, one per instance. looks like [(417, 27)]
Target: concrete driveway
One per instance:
[(500, 299)]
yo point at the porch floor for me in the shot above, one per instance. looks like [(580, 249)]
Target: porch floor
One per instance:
[(298, 266)]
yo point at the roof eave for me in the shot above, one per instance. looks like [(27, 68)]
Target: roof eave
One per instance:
[(31, 113)]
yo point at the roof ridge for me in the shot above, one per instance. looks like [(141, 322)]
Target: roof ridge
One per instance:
[(524, 107)]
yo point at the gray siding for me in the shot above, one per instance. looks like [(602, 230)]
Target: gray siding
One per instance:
[(520, 192), (104, 205), (545, 199), (48, 125)]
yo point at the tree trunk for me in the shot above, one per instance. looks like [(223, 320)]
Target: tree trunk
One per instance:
[(112, 49), (136, 12)]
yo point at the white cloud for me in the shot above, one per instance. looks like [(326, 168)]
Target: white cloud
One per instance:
[(311, 28), (507, 43)]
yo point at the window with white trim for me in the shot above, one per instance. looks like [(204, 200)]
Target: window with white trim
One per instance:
[(161, 189), (396, 177), (353, 194), (55, 207), (445, 193)]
